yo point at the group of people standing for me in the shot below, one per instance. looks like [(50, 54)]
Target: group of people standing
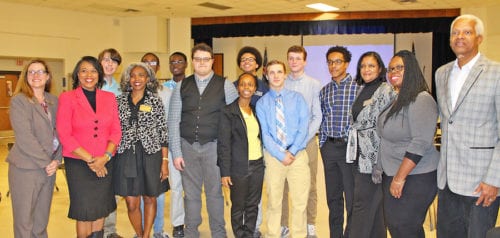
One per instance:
[(375, 135)]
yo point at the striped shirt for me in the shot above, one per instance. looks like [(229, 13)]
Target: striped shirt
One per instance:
[(336, 102)]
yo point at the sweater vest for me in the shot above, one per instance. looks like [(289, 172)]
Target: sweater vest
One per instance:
[(200, 113)]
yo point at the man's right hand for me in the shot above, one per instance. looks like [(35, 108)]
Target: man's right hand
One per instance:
[(289, 158), (179, 163)]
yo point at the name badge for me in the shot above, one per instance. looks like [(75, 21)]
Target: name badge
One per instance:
[(367, 102), (145, 108)]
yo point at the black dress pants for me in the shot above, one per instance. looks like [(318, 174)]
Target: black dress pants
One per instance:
[(339, 181), (246, 193)]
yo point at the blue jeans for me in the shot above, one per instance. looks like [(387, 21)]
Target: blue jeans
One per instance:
[(458, 216), (160, 211)]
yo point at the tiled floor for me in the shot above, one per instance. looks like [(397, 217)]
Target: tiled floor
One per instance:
[(61, 226)]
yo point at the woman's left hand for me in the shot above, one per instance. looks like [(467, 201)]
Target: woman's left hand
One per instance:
[(52, 167), (164, 170), (98, 166), (396, 188)]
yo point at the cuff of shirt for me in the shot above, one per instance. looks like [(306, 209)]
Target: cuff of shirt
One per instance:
[(413, 157)]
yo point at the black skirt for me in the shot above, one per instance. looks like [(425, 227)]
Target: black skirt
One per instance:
[(90, 197), (137, 173)]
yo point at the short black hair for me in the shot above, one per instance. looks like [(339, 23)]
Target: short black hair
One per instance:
[(94, 62), (340, 49), (250, 50), (256, 80), (179, 54)]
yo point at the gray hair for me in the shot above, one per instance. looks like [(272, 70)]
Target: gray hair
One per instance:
[(479, 26), (152, 84)]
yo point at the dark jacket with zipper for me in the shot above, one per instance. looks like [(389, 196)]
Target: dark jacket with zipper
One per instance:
[(232, 144)]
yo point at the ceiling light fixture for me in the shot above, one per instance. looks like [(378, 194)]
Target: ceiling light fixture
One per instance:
[(322, 7)]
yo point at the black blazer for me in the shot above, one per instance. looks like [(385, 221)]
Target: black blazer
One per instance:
[(232, 144)]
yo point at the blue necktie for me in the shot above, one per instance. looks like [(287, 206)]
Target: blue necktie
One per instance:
[(280, 123)]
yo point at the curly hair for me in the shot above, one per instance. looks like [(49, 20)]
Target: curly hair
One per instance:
[(413, 83), (95, 63), (250, 50), (152, 85), (340, 49)]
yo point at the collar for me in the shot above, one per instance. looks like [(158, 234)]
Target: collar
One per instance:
[(197, 78), (290, 77), (469, 65)]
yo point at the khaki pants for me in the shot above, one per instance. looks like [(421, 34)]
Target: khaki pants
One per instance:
[(298, 176), (312, 209)]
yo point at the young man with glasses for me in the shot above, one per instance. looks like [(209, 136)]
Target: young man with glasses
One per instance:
[(193, 123), (336, 101)]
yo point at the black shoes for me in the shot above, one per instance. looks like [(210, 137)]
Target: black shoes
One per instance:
[(178, 231)]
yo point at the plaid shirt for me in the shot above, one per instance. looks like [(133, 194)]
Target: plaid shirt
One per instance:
[(336, 102)]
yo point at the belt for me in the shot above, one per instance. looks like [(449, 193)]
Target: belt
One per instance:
[(337, 140)]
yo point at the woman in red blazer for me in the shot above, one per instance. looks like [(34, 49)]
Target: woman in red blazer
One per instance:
[(89, 130)]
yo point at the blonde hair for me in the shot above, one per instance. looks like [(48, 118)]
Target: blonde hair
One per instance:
[(23, 85)]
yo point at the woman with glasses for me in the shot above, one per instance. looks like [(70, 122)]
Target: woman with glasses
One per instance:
[(36, 155), (110, 59), (89, 129), (375, 95), (142, 156), (407, 153)]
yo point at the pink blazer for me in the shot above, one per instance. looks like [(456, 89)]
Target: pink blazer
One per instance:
[(79, 126)]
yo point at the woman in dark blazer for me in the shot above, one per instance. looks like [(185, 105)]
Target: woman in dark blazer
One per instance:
[(240, 157), (89, 128), (142, 160), (34, 159)]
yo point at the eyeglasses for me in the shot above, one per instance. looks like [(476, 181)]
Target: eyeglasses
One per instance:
[(109, 60), (336, 62), (151, 63), (178, 62), (395, 69), (37, 72), (204, 59), (248, 59)]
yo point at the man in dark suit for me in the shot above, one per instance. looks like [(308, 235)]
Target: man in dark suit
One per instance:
[(468, 93)]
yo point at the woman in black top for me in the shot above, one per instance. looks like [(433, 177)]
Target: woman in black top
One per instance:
[(374, 96)]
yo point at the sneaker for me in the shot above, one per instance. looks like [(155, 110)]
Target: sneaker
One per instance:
[(114, 235), (285, 232), (257, 234), (311, 231), (178, 231), (160, 235)]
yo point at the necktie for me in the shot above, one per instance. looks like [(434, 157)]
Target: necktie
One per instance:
[(280, 123)]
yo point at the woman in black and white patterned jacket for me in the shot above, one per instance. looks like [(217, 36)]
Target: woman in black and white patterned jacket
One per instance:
[(141, 163)]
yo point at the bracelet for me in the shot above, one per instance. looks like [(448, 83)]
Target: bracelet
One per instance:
[(398, 182), (108, 154), (165, 158)]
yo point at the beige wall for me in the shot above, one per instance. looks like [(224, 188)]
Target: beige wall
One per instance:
[(64, 36), (491, 43)]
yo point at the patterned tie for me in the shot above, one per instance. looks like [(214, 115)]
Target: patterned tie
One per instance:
[(280, 123)]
